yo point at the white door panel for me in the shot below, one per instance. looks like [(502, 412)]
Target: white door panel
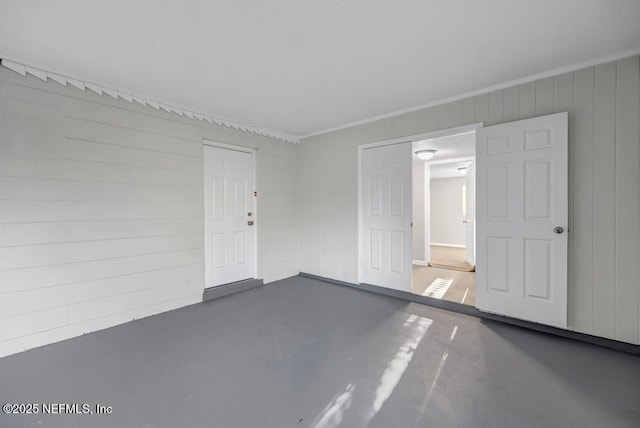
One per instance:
[(229, 239), (522, 194), (386, 216)]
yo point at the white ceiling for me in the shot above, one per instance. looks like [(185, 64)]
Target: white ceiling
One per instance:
[(449, 147), (304, 66), (452, 152), (448, 170)]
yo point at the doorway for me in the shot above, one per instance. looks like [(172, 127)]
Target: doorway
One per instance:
[(386, 221), (443, 235), (229, 215), (521, 191)]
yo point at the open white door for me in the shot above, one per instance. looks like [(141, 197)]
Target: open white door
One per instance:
[(386, 216), (522, 203), (228, 216), (470, 215)]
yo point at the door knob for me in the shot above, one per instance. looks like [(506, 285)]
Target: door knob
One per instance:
[(558, 229), (250, 222)]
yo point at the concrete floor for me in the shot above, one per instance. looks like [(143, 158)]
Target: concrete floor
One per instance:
[(304, 353)]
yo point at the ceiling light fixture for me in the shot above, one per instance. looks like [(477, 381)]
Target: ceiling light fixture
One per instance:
[(425, 154)]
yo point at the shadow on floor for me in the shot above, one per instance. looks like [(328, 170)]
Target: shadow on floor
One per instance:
[(607, 380)]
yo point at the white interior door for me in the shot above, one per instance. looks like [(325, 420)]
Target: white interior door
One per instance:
[(470, 215), (228, 216), (522, 203), (386, 216)]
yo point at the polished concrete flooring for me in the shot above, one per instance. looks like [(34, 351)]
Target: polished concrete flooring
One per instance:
[(304, 353)]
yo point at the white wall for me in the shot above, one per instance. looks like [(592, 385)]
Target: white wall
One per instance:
[(101, 215), (604, 219), (446, 211), (278, 209), (419, 188)]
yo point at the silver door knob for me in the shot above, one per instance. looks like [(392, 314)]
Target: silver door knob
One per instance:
[(558, 229), (250, 223)]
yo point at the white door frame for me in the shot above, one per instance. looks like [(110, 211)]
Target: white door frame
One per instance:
[(253, 153), (408, 138)]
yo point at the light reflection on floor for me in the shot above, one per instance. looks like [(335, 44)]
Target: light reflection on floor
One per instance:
[(333, 414), (414, 329), (438, 288), (443, 361)]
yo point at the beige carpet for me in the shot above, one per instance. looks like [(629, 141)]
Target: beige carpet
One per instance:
[(451, 285), (449, 258)]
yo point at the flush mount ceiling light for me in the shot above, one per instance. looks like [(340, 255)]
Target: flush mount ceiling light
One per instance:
[(425, 154)]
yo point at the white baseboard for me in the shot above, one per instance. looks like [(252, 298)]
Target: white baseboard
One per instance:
[(420, 263), (448, 245)]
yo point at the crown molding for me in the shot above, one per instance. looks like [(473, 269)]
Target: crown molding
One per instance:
[(528, 79), (131, 97)]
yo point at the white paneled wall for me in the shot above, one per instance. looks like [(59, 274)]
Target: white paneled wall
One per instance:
[(101, 210), (278, 213), (604, 143)]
